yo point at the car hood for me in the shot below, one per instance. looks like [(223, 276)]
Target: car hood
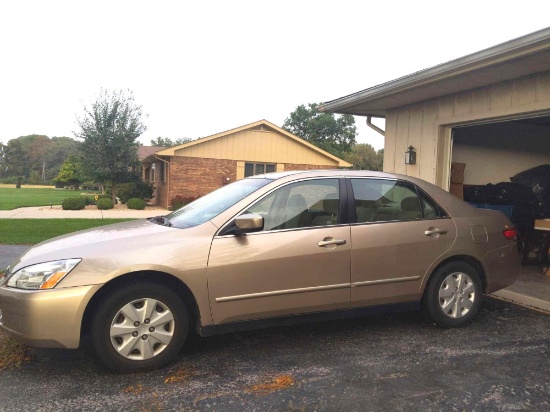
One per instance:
[(90, 241)]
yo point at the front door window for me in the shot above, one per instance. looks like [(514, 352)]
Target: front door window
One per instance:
[(304, 204)]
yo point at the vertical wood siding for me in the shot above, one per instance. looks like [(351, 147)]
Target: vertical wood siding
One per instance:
[(257, 146), (423, 125)]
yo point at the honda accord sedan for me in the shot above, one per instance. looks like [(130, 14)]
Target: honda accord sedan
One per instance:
[(265, 250)]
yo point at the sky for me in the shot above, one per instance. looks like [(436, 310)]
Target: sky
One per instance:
[(202, 67)]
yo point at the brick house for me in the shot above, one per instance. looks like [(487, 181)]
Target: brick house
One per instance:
[(203, 165)]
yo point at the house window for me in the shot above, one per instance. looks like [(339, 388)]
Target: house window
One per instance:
[(251, 169)]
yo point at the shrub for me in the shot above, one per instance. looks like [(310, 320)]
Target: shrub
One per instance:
[(73, 203), (89, 200), (136, 204), (34, 177), (89, 185), (180, 201), (13, 180), (137, 189), (105, 204)]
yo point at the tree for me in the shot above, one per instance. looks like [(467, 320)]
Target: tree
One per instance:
[(3, 149), (31, 152), (364, 157), (14, 158), (71, 173), (167, 142), (59, 150), (109, 129), (380, 154), (334, 134), (35, 156)]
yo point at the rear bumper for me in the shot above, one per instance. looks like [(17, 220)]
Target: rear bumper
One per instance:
[(501, 267), (45, 318)]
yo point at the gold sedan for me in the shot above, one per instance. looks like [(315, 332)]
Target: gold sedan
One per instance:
[(261, 251)]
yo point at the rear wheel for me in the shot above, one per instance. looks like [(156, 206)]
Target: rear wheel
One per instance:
[(139, 327), (453, 295)]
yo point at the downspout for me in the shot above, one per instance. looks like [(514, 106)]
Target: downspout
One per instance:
[(375, 128), (167, 165)]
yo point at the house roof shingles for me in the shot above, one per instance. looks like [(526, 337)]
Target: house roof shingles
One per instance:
[(146, 151)]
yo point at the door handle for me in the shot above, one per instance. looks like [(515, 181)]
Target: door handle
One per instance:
[(435, 231), (330, 241)]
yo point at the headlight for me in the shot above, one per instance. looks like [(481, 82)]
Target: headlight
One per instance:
[(43, 275)]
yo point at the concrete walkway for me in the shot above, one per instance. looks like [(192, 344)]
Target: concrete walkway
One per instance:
[(42, 212), (531, 288)]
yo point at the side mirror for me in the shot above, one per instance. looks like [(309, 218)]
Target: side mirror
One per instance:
[(249, 222)]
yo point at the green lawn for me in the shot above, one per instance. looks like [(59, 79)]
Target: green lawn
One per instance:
[(31, 231), (12, 198)]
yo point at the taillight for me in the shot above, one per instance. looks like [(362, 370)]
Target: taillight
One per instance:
[(510, 234)]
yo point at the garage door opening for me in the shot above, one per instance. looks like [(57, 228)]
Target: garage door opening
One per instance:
[(492, 154), (495, 152)]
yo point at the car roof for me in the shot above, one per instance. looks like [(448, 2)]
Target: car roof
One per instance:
[(329, 172)]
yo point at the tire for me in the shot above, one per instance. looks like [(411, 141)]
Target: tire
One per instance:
[(139, 327), (453, 295)]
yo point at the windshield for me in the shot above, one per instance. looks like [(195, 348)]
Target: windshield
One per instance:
[(212, 204)]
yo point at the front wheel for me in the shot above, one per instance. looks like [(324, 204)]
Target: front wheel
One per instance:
[(139, 327), (453, 295)]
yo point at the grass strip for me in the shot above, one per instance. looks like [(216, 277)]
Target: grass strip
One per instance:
[(32, 231), (12, 198)]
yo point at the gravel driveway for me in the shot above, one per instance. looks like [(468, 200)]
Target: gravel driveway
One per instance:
[(395, 362)]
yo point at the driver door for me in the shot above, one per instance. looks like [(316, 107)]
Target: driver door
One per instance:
[(299, 262)]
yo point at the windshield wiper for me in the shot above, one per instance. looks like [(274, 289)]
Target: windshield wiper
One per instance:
[(160, 220)]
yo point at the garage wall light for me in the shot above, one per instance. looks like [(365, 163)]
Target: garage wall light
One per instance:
[(410, 156)]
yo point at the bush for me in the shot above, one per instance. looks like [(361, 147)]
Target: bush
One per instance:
[(73, 203), (105, 204), (180, 201), (138, 189), (34, 177), (89, 185), (136, 204), (12, 180), (89, 200)]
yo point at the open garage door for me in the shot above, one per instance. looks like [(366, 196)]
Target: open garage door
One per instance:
[(491, 154), (495, 152)]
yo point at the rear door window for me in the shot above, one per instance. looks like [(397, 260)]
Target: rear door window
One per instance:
[(381, 200)]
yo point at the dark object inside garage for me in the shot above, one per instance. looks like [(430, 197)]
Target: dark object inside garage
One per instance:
[(507, 168)]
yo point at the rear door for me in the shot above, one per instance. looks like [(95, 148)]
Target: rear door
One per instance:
[(398, 234)]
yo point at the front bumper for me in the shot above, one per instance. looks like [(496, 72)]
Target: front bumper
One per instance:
[(45, 318)]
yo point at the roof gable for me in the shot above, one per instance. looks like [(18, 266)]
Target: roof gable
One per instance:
[(191, 148)]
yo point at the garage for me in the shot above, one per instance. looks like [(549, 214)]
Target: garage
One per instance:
[(485, 160), (494, 152), (487, 113)]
